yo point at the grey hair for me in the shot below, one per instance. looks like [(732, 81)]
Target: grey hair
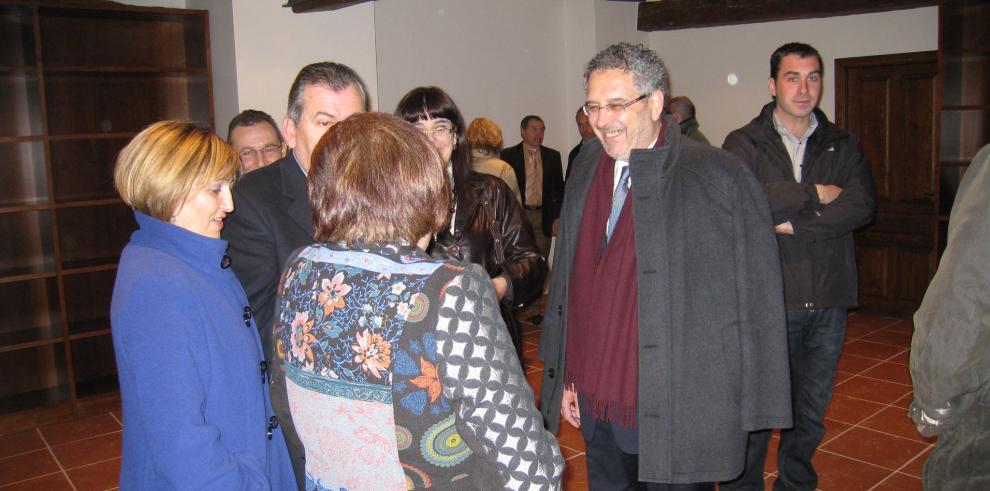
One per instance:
[(648, 70), (336, 76)]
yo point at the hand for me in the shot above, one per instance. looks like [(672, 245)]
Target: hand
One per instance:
[(501, 285), (827, 193), (784, 228), (569, 407), (554, 227)]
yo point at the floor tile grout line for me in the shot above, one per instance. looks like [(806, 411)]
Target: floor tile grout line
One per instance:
[(886, 433), (115, 418), (881, 343), (912, 459), (877, 379), (855, 459), (20, 454), (22, 481), (121, 429), (851, 426), (91, 463), (898, 470), (568, 447), (55, 458)]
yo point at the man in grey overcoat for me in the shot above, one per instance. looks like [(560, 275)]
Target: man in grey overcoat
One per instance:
[(664, 337)]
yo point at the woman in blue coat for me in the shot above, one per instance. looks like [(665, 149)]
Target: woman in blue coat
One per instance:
[(193, 380)]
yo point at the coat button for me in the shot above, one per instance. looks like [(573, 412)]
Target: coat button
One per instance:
[(264, 371), (272, 424), (225, 262), (551, 373), (247, 315)]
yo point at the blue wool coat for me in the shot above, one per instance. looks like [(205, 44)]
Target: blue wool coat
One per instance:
[(192, 382)]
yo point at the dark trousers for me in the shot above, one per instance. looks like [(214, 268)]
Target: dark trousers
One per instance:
[(814, 339), (535, 217), (609, 468)]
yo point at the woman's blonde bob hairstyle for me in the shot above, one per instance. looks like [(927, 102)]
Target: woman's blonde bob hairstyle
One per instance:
[(484, 135), (375, 178), (167, 162)]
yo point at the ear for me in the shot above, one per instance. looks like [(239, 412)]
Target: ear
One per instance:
[(289, 131), (656, 105), (772, 86)]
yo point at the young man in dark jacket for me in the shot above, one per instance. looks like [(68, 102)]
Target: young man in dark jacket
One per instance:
[(820, 189)]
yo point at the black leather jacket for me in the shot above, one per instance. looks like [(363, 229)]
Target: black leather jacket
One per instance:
[(474, 237)]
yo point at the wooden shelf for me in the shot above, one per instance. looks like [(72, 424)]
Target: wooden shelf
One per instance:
[(107, 70), (78, 82), (964, 66)]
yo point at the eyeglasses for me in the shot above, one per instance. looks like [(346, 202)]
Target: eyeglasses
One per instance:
[(439, 131), (613, 107), (268, 151)]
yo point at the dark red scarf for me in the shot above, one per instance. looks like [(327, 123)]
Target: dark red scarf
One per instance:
[(602, 357)]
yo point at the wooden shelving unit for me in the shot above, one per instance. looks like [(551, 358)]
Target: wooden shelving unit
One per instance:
[(76, 83), (964, 91)]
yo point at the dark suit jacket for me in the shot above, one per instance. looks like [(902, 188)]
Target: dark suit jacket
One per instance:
[(553, 180), (271, 219), (570, 159)]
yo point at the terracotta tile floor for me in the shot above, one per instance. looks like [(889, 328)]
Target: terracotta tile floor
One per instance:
[(870, 443), (83, 454)]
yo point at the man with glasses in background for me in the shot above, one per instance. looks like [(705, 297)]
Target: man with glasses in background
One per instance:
[(255, 137), (273, 217), (663, 336)]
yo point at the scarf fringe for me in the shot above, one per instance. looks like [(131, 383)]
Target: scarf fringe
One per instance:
[(606, 411)]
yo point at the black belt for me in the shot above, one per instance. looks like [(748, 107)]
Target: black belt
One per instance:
[(536, 207)]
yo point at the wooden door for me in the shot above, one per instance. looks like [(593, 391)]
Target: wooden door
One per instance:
[(889, 102)]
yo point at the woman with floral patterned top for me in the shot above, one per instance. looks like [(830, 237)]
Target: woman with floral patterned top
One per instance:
[(397, 366)]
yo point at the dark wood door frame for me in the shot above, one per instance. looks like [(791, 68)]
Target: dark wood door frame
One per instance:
[(894, 114)]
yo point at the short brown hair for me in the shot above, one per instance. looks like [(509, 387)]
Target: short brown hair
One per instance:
[(483, 134), (162, 164), (376, 179)]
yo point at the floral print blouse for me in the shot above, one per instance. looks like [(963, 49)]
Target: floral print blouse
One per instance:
[(400, 374)]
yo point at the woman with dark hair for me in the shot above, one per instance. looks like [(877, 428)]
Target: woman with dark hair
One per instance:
[(397, 367), (487, 226)]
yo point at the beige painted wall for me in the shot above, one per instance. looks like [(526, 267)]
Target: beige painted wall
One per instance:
[(700, 60), (273, 44), (509, 58), (501, 60)]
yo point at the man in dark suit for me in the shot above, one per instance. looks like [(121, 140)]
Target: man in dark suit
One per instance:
[(273, 216), (587, 134), (540, 177)]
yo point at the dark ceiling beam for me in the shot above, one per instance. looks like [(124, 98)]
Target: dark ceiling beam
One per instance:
[(303, 6), (669, 15)]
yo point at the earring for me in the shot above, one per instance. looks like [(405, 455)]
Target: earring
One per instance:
[(172, 220)]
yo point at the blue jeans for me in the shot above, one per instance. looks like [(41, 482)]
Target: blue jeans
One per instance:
[(814, 339)]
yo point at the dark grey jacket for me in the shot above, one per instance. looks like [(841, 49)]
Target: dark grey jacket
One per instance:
[(950, 350), (712, 335), (689, 128), (819, 260)]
